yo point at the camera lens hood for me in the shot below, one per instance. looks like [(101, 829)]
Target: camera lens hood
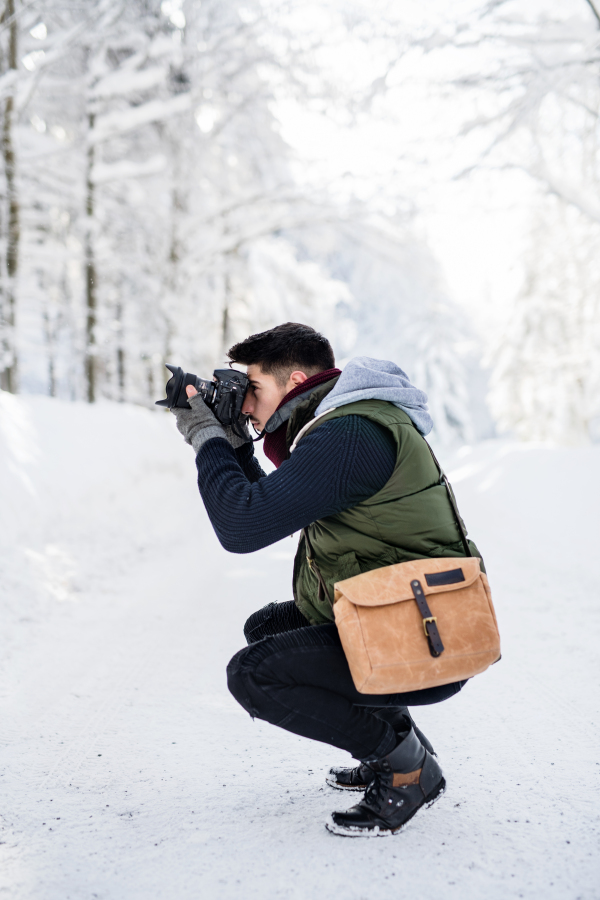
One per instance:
[(176, 396)]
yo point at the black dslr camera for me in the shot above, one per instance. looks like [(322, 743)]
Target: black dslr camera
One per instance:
[(224, 395)]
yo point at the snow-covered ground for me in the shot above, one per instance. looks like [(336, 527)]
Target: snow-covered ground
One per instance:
[(129, 772)]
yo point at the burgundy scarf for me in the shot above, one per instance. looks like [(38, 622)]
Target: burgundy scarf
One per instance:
[(274, 444)]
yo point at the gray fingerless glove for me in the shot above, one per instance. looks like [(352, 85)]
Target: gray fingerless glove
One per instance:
[(198, 424), (234, 439)]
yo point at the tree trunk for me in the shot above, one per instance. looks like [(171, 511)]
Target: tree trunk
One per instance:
[(49, 334), (90, 274), (150, 375), (121, 374), (177, 206), (225, 321), (231, 262), (9, 373)]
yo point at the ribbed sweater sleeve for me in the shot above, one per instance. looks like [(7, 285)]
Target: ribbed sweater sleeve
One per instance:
[(333, 468), (249, 463)]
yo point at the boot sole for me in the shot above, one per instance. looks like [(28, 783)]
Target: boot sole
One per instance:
[(348, 831), (345, 787)]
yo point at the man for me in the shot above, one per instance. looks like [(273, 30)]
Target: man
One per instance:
[(354, 471)]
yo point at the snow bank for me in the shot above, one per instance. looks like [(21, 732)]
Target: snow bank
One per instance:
[(129, 771), (85, 490)]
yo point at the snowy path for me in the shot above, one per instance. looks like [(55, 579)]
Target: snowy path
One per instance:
[(129, 772)]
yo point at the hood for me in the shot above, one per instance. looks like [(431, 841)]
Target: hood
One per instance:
[(365, 378)]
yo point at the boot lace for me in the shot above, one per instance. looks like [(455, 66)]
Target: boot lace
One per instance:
[(375, 794)]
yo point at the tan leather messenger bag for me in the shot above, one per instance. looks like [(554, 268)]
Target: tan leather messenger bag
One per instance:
[(416, 624)]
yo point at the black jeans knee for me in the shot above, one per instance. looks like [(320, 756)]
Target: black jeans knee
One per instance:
[(273, 619), (300, 681)]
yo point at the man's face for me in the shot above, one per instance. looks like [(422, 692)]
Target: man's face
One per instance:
[(265, 394)]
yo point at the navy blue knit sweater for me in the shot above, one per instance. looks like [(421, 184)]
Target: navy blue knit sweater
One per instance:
[(334, 467)]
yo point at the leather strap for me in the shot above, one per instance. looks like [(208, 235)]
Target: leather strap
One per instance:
[(436, 648), (435, 642), (459, 522)]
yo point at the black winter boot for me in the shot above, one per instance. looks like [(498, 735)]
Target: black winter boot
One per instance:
[(358, 777), (405, 780)]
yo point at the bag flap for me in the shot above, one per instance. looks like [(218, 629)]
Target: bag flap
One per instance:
[(391, 584)]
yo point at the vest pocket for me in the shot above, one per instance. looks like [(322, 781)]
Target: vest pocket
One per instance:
[(388, 556), (346, 566)]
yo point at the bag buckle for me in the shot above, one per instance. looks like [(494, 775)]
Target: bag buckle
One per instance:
[(425, 621)]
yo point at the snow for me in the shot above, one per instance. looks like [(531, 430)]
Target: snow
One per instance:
[(118, 83), (123, 121), (128, 771), (128, 168)]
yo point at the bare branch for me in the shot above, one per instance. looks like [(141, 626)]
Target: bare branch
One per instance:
[(594, 10)]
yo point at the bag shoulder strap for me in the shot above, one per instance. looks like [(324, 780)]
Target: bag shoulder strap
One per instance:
[(452, 499), (310, 553)]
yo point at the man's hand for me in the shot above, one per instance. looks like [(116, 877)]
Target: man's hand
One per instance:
[(186, 423), (234, 439), (198, 424)]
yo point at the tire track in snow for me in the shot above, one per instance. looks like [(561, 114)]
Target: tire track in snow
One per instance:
[(98, 724)]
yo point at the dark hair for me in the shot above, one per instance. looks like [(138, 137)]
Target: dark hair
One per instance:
[(284, 348)]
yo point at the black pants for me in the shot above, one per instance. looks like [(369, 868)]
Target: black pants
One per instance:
[(298, 679)]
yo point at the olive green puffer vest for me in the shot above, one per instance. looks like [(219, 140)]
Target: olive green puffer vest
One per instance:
[(409, 518)]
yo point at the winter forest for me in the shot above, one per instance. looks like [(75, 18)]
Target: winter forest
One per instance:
[(420, 183)]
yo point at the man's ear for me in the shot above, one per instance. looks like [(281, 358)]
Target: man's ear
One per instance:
[(298, 377)]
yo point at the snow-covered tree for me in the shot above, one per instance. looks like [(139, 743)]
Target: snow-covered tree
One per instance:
[(156, 178), (398, 308), (163, 215), (10, 211), (531, 74), (546, 381)]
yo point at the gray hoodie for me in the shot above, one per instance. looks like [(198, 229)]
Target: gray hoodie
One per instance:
[(365, 378)]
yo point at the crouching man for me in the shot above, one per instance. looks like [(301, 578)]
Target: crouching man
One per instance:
[(362, 483)]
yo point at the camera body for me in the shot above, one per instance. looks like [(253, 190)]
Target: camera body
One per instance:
[(224, 394)]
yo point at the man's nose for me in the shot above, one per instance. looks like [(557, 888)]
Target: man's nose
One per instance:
[(248, 405)]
